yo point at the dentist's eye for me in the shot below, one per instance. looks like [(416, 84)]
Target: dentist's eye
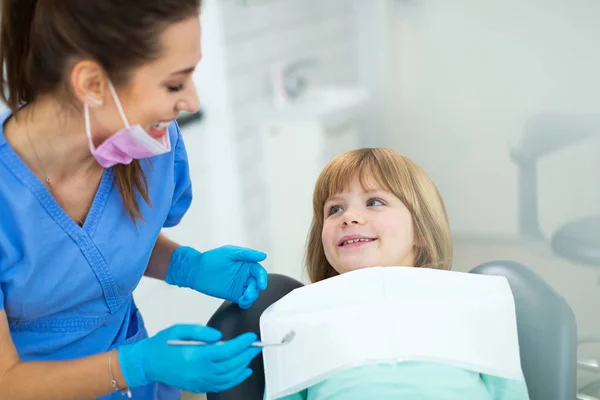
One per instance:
[(175, 88), (375, 202), (334, 209)]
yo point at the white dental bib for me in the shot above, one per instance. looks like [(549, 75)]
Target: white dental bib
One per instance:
[(390, 314)]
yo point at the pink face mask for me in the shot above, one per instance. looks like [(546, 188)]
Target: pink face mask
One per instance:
[(131, 142)]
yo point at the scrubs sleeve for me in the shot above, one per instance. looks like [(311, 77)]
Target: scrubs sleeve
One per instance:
[(182, 194), (1, 298)]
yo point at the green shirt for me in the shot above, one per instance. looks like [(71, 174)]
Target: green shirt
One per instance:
[(413, 381)]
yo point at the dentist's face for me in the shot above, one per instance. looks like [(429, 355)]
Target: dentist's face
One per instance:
[(159, 91), (367, 228)]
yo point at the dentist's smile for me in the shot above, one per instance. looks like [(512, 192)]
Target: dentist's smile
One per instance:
[(159, 129)]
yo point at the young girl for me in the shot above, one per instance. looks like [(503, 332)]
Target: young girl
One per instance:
[(374, 207)]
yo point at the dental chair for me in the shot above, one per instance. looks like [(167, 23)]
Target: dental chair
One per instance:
[(577, 241), (546, 328)]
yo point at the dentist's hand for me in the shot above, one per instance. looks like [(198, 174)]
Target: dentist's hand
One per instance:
[(229, 272), (199, 369)]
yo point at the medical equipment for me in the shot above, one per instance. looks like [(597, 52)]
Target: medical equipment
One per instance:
[(286, 339), (345, 322), (545, 323), (578, 240)]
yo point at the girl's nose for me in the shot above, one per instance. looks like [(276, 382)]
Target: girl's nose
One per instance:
[(352, 218)]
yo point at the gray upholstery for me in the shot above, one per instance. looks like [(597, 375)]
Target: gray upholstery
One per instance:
[(547, 332)]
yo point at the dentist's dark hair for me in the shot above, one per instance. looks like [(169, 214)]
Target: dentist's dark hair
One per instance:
[(41, 40)]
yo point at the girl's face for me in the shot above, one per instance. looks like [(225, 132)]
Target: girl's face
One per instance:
[(367, 228)]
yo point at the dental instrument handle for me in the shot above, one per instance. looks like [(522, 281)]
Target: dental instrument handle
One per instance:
[(198, 343)]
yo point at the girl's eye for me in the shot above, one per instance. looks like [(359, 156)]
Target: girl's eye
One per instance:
[(175, 88), (334, 209), (374, 202)]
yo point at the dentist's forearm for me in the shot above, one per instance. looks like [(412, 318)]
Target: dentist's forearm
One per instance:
[(161, 257), (83, 378)]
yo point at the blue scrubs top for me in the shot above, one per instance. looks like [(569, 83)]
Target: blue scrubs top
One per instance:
[(66, 289)]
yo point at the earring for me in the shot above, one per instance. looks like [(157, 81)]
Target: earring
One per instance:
[(94, 100)]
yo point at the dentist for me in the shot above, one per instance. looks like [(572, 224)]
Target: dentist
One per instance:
[(92, 167)]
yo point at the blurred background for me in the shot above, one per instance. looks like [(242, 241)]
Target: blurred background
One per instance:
[(499, 101)]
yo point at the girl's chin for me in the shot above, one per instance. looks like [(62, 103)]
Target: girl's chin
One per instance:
[(354, 267)]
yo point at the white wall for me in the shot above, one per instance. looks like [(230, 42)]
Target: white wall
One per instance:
[(256, 37), (375, 24), (466, 77)]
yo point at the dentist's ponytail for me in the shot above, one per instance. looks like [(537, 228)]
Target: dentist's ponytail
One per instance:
[(15, 38)]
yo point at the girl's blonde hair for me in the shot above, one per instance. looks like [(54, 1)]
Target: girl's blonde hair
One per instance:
[(400, 176)]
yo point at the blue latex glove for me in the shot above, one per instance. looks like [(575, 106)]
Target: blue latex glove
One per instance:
[(199, 369), (229, 272)]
